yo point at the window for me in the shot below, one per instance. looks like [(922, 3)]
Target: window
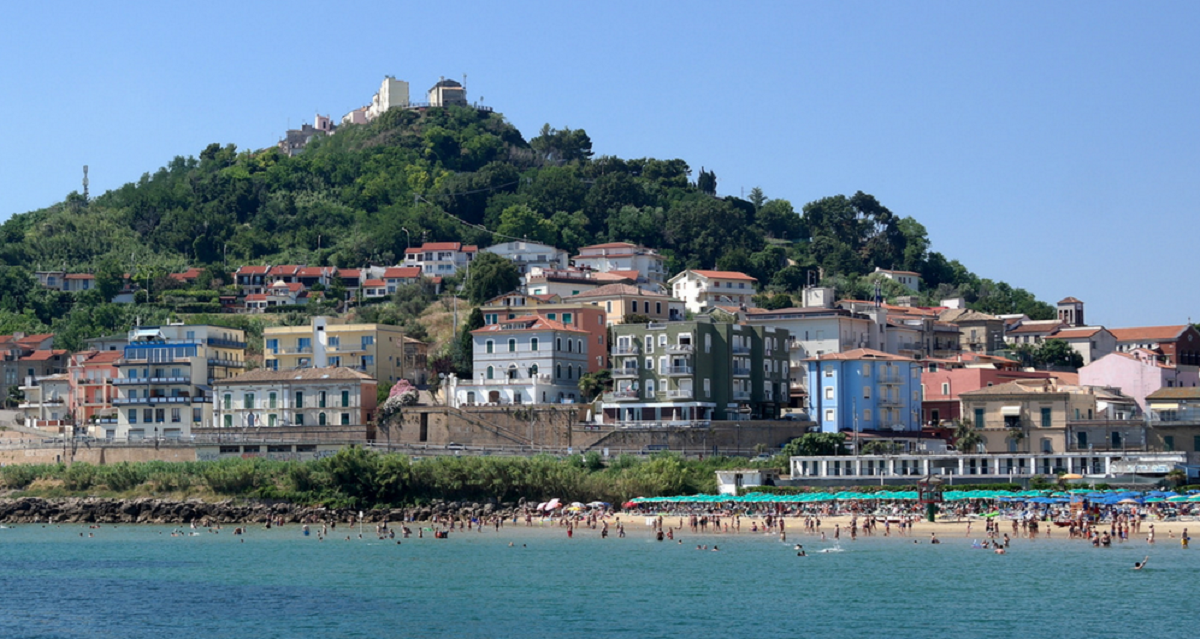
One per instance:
[(512, 345), (228, 401), (345, 399), (708, 343), (533, 344), (368, 361), (707, 387), (197, 415), (558, 371), (299, 419), (228, 421), (321, 400), (979, 418), (830, 415), (657, 308), (368, 340), (867, 415), (272, 420), (649, 363), (1045, 418), (491, 373), (649, 343), (828, 392), (866, 370), (248, 401), (489, 346), (566, 318), (866, 392), (132, 415), (273, 346), (176, 415), (345, 419), (271, 400), (1169, 442), (946, 388), (299, 399), (829, 371), (649, 388), (321, 419), (608, 307)]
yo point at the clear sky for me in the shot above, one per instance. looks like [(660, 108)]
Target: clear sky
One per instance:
[(1053, 145)]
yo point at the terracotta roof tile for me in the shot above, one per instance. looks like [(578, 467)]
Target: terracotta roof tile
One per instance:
[(1148, 333)]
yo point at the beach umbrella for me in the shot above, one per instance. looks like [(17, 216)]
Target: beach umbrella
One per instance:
[(1128, 500), (629, 504)]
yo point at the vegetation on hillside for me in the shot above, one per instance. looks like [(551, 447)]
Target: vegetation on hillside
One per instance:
[(363, 195)]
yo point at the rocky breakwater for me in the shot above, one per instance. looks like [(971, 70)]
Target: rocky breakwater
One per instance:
[(92, 510)]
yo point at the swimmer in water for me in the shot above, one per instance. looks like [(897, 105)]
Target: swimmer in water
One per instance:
[(1141, 564)]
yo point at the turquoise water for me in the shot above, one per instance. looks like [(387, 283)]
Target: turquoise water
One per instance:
[(137, 581)]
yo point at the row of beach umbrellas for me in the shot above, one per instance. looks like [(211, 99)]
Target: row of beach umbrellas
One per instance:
[(1027, 496)]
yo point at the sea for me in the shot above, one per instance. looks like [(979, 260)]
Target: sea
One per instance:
[(139, 581)]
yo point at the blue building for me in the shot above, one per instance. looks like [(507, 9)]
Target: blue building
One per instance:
[(864, 390)]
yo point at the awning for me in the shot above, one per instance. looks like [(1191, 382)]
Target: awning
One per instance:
[(1010, 411), (1164, 406)]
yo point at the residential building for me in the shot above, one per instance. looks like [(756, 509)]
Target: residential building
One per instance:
[(447, 93), (264, 398), (1091, 342), (18, 345), (44, 402), (92, 391), (116, 342), (910, 280), (579, 315), (692, 372), (624, 257), (1032, 332), (1175, 419), (310, 276), (702, 290), (525, 360), (526, 255), (864, 390), (1118, 466), (573, 281), (374, 288), (164, 378), (622, 300), (188, 277), (1047, 417), (392, 94), (978, 332), (1138, 374), (943, 382), (381, 351), (252, 279), (440, 258), (1178, 344), (295, 140), (397, 276)]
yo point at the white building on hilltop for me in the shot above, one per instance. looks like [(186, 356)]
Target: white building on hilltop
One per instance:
[(702, 290)]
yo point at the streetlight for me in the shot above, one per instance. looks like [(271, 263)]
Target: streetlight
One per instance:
[(407, 238)]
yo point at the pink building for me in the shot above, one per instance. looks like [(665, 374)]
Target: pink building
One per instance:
[(1137, 374), (941, 386)]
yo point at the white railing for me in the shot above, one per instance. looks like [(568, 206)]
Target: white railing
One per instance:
[(676, 370)]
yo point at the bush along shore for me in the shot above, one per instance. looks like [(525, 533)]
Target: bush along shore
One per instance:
[(353, 479)]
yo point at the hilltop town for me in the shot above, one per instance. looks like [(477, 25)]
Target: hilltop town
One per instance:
[(529, 338)]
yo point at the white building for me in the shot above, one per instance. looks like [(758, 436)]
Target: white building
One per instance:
[(165, 376), (301, 397), (446, 93), (440, 258), (990, 468), (529, 359), (910, 280), (392, 94), (526, 255), (45, 401), (702, 290), (624, 258)]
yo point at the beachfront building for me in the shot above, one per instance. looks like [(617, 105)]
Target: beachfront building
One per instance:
[(44, 403), (983, 468), (525, 360), (165, 377), (586, 317), (690, 373), (92, 391), (626, 300), (440, 259), (643, 265), (526, 255), (1045, 416), (319, 397), (1175, 419), (864, 390), (944, 380), (382, 352), (702, 290)]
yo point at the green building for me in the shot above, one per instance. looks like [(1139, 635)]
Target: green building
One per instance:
[(690, 373)]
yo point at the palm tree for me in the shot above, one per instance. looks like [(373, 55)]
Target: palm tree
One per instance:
[(1015, 435), (966, 438)]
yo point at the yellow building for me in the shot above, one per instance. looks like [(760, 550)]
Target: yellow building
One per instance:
[(379, 350), (622, 300)]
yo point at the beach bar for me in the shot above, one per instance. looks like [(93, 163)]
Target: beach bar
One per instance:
[(982, 468)]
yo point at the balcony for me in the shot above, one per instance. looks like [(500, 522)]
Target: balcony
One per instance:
[(741, 396), (741, 372), (224, 343), (126, 381), (625, 373), (346, 348), (675, 371), (681, 349), (228, 363), (622, 396), (145, 401), (740, 350), (626, 350), (295, 350), (683, 393)]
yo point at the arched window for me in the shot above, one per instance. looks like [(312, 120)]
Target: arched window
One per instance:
[(321, 419), (558, 371), (568, 371), (533, 370), (533, 344), (490, 373), (512, 371)]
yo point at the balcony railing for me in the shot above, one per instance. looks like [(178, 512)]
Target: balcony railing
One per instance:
[(680, 348), (646, 425), (625, 350), (741, 396), (296, 350), (140, 401), (624, 373), (621, 396), (676, 370), (683, 393), (741, 350), (225, 343), (228, 363), (125, 381), (741, 372)]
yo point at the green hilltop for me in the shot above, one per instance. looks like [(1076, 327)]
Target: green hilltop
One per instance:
[(362, 195)]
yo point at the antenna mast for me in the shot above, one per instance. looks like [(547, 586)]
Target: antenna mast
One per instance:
[(85, 183)]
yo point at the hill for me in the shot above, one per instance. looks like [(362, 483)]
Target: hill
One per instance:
[(362, 195)]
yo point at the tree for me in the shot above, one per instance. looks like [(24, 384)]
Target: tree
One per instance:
[(464, 346), (562, 146), (591, 385), (523, 222), (757, 198), (707, 182), (1015, 435), (490, 275), (16, 285), (778, 219), (1056, 352), (816, 444), (110, 278), (966, 438)]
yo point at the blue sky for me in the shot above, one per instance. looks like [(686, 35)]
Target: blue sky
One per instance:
[(1051, 145)]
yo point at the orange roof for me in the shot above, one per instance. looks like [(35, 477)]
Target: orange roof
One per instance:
[(290, 286), (42, 356), (33, 339), (252, 270), (1070, 300), (725, 275), (79, 276), (349, 273), (100, 357), (413, 251), (256, 297), (863, 353), (527, 323), (190, 274), (402, 273), (609, 246), (1148, 333), (1077, 333), (441, 246), (284, 269), (617, 290), (1040, 326)]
